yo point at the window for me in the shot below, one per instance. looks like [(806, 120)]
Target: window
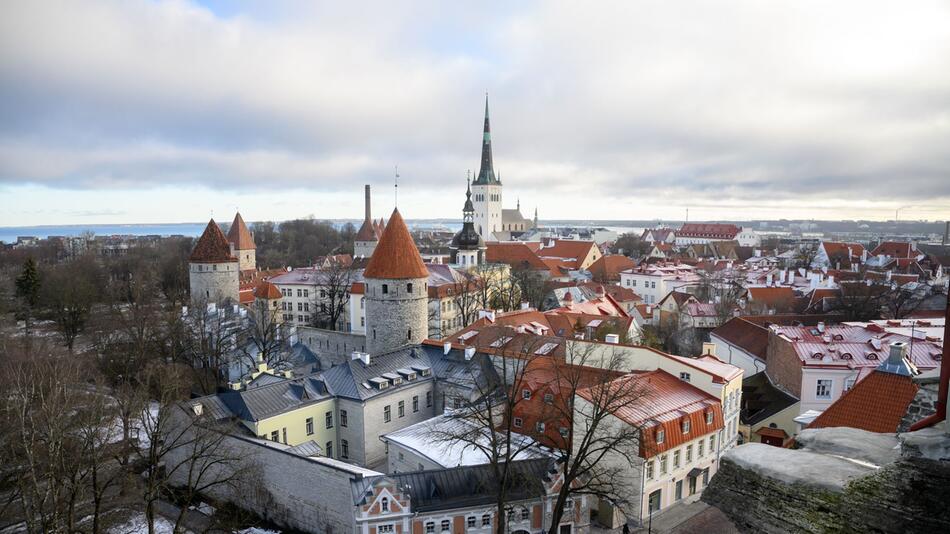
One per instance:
[(385, 289), (402, 457), (415, 403), (275, 436), (428, 399), (684, 377), (709, 417), (402, 408), (306, 307), (660, 436), (685, 426), (679, 489), (470, 521), (430, 527), (362, 321), (676, 459), (310, 426), (849, 383), (689, 453), (563, 431), (539, 426), (823, 389), (518, 422), (445, 525), (548, 398), (384, 504), (409, 334), (343, 418), (650, 470), (663, 464), (299, 292), (384, 529), (526, 394), (306, 293), (652, 285), (409, 288), (329, 419), (344, 449), (525, 514), (486, 520), (712, 443), (634, 284), (457, 402), (699, 448), (387, 414), (329, 449)]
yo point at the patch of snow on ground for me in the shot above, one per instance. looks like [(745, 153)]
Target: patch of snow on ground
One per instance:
[(137, 524)]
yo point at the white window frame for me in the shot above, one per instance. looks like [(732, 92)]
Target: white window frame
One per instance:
[(827, 383)]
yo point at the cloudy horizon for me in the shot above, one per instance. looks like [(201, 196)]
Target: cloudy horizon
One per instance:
[(145, 111)]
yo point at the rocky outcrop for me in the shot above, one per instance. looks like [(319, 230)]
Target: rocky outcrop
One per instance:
[(925, 402), (841, 480)]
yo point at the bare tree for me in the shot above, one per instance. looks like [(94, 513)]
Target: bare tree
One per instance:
[(265, 335), (491, 413), (68, 299), (599, 448), (860, 301), (331, 298)]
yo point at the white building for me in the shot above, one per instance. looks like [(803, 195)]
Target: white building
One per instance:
[(653, 282)]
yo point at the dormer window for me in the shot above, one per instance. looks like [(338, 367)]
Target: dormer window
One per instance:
[(685, 426), (660, 436), (709, 418), (526, 394), (384, 504)]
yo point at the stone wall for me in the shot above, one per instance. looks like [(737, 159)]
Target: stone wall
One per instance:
[(213, 286), (392, 316), (818, 489), (925, 402), (289, 490), (330, 346)]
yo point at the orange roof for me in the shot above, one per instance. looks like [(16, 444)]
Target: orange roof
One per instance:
[(835, 249), (396, 256), (517, 255), (609, 267), (239, 235), (718, 231), (568, 248), (662, 401), (875, 404), (212, 246), (894, 249), (267, 290)]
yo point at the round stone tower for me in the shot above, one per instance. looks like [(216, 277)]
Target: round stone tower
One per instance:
[(396, 291), (212, 269)]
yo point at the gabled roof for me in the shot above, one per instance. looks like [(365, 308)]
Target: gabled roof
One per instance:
[(517, 255), (396, 256), (239, 235), (761, 399), (267, 290), (894, 249), (781, 297), (568, 248), (609, 267), (367, 231), (876, 404), (212, 246), (748, 336), (835, 249)]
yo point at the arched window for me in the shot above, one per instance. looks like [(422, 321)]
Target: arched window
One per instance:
[(384, 504)]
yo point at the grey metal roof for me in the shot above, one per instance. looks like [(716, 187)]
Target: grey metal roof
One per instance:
[(265, 401), (346, 379), (443, 489), (307, 448)]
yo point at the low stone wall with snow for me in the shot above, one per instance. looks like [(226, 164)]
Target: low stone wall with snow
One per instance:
[(841, 480)]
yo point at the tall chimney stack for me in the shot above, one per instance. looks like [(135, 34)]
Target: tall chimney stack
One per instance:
[(368, 209), (946, 234)]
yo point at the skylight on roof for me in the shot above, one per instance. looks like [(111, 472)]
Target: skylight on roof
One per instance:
[(468, 335), (546, 348), (500, 342)]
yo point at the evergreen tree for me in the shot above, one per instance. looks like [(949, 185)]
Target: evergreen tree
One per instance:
[(28, 283)]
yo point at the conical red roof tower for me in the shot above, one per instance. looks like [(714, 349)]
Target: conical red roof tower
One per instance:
[(212, 246), (239, 235), (396, 256)]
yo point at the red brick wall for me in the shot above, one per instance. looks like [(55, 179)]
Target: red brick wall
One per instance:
[(783, 365)]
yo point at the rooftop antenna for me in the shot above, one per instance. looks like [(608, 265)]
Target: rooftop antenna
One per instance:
[(396, 187)]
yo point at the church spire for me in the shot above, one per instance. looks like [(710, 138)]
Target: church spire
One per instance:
[(486, 173)]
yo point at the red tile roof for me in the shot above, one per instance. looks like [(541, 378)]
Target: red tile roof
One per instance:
[(396, 256), (368, 231), (875, 404), (609, 267), (834, 249), (239, 235), (568, 248), (662, 401), (267, 290), (714, 231), (894, 249), (517, 255), (212, 246), (748, 336), (781, 298)]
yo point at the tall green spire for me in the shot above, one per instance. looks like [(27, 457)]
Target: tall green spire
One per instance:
[(486, 173)]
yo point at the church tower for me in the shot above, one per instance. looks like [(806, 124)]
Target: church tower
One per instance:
[(396, 291), (242, 244), (213, 269), (468, 248), (486, 189)]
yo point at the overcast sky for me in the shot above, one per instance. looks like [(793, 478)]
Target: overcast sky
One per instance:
[(154, 111)]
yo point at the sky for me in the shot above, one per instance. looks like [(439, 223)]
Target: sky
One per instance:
[(173, 111)]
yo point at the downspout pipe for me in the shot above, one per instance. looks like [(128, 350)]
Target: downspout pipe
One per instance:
[(944, 388)]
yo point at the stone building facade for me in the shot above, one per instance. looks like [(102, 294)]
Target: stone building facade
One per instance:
[(213, 272)]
